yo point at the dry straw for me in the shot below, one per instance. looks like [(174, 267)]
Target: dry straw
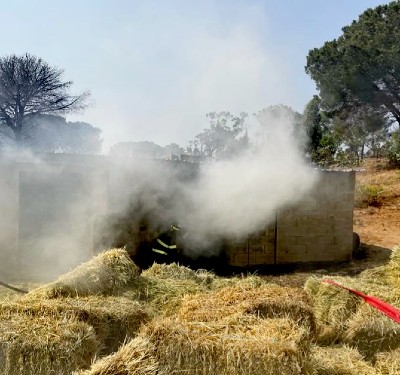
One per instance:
[(104, 274), (370, 331), (268, 301), (393, 268), (237, 345), (339, 360), (162, 296), (114, 319), (333, 307), (388, 363), (134, 358), (177, 272), (45, 345)]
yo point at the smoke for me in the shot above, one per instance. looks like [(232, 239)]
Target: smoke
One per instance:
[(51, 204), (236, 197)]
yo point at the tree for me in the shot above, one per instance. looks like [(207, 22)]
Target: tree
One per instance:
[(361, 67), (279, 119), (226, 136), (30, 87), (50, 133), (361, 127), (321, 140), (142, 150)]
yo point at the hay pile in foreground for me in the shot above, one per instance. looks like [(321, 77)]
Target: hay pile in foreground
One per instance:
[(370, 331), (104, 274), (268, 301), (44, 345), (114, 319), (341, 360), (238, 345), (134, 358), (162, 296), (176, 272), (332, 307), (388, 363)]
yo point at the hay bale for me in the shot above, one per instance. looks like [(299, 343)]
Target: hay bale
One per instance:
[(104, 274), (176, 272), (393, 267), (370, 331), (45, 345), (239, 281), (162, 296), (340, 360), (114, 319), (333, 307), (135, 357), (269, 301), (388, 363), (238, 345)]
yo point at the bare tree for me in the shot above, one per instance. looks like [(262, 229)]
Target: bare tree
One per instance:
[(30, 87)]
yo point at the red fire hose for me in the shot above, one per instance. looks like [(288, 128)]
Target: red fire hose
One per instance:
[(387, 309)]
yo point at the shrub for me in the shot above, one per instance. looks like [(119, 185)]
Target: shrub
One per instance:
[(368, 195)]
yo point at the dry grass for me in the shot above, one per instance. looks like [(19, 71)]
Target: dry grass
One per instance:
[(370, 331), (104, 274), (339, 360), (176, 272), (136, 357), (114, 319), (44, 345), (268, 301), (237, 345), (388, 363), (393, 268), (332, 307), (163, 296)]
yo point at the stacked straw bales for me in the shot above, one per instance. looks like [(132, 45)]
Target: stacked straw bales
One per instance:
[(237, 345), (339, 360), (345, 318), (114, 319), (134, 358), (45, 345), (104, 274), (370, 331), (65, 324), (268, 301), (388, 363)]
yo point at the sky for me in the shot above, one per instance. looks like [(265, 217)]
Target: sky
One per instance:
[(155, 68)]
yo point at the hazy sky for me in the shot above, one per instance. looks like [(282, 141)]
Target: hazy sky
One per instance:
[(155, 68)]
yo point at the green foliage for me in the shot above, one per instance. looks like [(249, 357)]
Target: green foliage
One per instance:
[(226, 136), (393, 148), (368, 195), (362, 66)]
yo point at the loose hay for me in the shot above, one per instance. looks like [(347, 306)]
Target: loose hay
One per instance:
[(176, 272), (339, 361), (370, 331), (114, 319), (269, 301), (388, 363), (393, 268), (44, 345), (134, 358), (163, 296), (333, 307), (239, 281), (104, 274), (238, 345)]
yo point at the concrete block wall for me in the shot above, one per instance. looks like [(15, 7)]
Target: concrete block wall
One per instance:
[(319, 228)]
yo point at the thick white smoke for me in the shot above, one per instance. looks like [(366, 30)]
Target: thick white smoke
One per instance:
[(236, 197)]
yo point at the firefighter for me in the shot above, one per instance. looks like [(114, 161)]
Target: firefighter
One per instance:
[(165, 248)]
